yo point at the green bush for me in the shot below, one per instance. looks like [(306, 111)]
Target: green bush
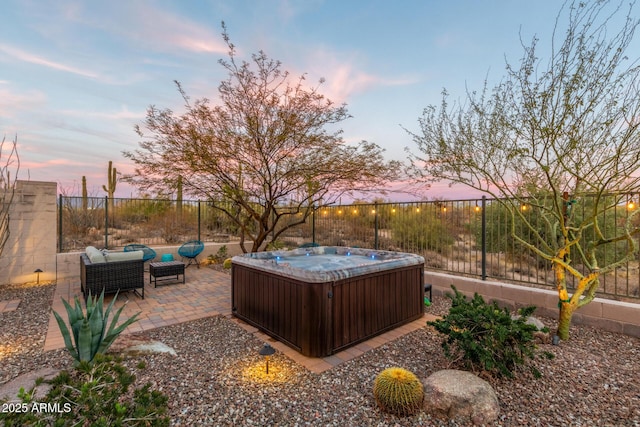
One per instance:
[(543, 228), (94, 394), (141, 210), (424, 230), (485, 337), (221, 254), (276, 245)]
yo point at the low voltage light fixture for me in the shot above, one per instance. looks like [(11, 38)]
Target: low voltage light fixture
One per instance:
[(267, 351), (38, 271)]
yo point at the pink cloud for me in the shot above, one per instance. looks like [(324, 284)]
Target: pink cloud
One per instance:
[(159, 29), (123, 114), (52, 162), (141, 23), (12, 103), (24, 56), (345, 78)]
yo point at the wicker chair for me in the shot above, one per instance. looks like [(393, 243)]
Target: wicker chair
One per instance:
[(149, 253), (191, 250), (111, 276)]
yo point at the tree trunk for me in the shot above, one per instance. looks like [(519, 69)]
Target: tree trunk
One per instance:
[(564, 319), (564, 302)]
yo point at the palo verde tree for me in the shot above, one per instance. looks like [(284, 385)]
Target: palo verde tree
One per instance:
[(9, 162), (553, 138), (265, 154)]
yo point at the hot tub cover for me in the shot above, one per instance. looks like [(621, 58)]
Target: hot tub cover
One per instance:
[(327, 263)]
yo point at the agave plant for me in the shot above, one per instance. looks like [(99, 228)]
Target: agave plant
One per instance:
[(90, 333)]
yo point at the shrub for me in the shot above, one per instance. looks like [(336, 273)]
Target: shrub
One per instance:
[(398, 391), (219, 257), (95, 394), (90, 333), (421, 231), (221, 254), (485, 337), (276, 245)]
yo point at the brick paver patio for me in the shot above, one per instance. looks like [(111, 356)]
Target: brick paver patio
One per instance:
[(207, 292)]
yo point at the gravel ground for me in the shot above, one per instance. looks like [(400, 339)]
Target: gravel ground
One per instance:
[(217, 377)]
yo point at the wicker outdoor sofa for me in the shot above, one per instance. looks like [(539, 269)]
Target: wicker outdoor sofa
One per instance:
[(117, 272)]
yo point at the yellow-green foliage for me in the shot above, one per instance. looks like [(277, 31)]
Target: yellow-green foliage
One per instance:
[(227, 263), (398, 391)]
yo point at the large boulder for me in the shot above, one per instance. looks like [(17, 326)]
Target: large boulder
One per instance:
[(531, 320), (539, 336), (460, 396)]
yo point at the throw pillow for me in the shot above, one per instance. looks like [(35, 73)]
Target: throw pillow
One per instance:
[(95, 256)]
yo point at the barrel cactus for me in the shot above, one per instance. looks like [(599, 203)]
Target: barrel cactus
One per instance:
[(398, 391), (227, 263)]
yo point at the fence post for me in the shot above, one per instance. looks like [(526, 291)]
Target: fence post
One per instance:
[(60, 243), (106, 222), (313, 224), (199, 220), (375, 225), (484, 237)]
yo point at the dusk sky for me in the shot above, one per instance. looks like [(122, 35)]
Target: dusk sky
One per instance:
[(76, 76)]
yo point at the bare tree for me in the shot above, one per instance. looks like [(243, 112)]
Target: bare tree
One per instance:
[(265, 154), (9, 162), (547, 136)]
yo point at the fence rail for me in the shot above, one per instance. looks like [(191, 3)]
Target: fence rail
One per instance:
[(114, 223), (470, 237)]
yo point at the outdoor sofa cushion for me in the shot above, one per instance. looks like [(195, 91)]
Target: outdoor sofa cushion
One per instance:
[(95, 255), (98, 257), (123, 256)]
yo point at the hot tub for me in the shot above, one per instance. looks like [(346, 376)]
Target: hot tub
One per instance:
[(324, 299)]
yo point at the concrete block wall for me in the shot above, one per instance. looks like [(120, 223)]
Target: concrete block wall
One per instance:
[(32, 234), (614, 316)]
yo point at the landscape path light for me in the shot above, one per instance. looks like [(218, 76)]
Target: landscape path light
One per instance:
[(38, 271), (267, 351)]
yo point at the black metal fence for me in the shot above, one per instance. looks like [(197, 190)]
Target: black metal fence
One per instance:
[(113, 223), (470, 237)]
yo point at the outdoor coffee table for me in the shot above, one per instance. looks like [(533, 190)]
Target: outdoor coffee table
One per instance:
[(162, 270)]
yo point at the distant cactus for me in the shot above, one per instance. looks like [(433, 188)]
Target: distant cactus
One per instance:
[(398, 391), (85, 197), (112, 180)]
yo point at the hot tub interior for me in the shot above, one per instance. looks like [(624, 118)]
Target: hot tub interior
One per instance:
[(327, 262)]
